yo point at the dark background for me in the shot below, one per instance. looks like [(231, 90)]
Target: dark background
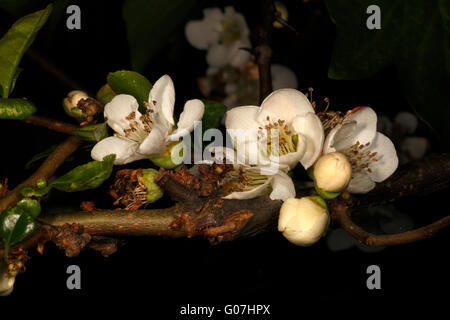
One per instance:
[(160, 275)]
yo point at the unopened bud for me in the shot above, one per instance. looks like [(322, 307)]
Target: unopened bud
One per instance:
[(6, 281), (332, 173), (303, 221), (81, 107)]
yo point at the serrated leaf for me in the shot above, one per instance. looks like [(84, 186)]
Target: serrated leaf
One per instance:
[(414, 37), (149, 24), (87, 176), (93, 133), (17, 109), (15, 42), (214, 111)]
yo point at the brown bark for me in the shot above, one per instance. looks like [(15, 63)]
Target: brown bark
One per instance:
[(45, 171)]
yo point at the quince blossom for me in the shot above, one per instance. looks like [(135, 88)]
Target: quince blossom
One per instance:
[(371, 154), (140, 136), (223, 34), (248, 182), (285, 117)]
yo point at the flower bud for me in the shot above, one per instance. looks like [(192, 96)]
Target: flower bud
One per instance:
[(332, 173), (6, 281), (303, 221), (81, 107), (135, 188)]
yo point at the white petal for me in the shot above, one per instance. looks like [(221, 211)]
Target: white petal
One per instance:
[(284, 104), (360, 183), (340, 131), (239, 57), (163, 93), (366, 128), (282, 77), (310, 127), (124, 149), (154, 143), (387, 158), (219, 55), (292, 159), (241, 123), (232, 16), (256, 192), (120, 107), (203, 33), (193, 111), (282, 187)]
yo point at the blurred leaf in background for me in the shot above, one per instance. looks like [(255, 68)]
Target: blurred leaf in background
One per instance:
[(14, 44), (149, 24), (414, 37)]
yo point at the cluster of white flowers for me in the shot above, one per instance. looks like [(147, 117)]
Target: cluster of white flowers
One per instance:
[(231, 74), (267, 140)]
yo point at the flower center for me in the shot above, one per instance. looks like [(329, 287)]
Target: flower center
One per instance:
[(278, 138), (128, 189), (359, 158), (240, 181), (231, 32), (139, 130)]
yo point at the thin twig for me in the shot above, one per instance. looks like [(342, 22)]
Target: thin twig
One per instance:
[(45, 171), (52, 124), (52, 69), (263, 50), (341, 212)]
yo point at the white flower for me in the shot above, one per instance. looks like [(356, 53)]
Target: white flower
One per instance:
[(303, 221), (139, 136), (286, 117), (248, 182), (222, 34), (371, 154)]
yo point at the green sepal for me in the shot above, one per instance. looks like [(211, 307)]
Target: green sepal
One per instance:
[(92, 133)]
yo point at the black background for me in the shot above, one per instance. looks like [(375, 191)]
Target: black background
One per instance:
[(158, 276)]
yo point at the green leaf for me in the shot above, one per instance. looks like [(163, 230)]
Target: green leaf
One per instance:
[(93, 133), (17, 222), (15, 42), (14, 79), (149, 24), (17, 109), (132, 83), (105, 94), (213, 114), (414, 37), (30, 207), (87, 176)]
